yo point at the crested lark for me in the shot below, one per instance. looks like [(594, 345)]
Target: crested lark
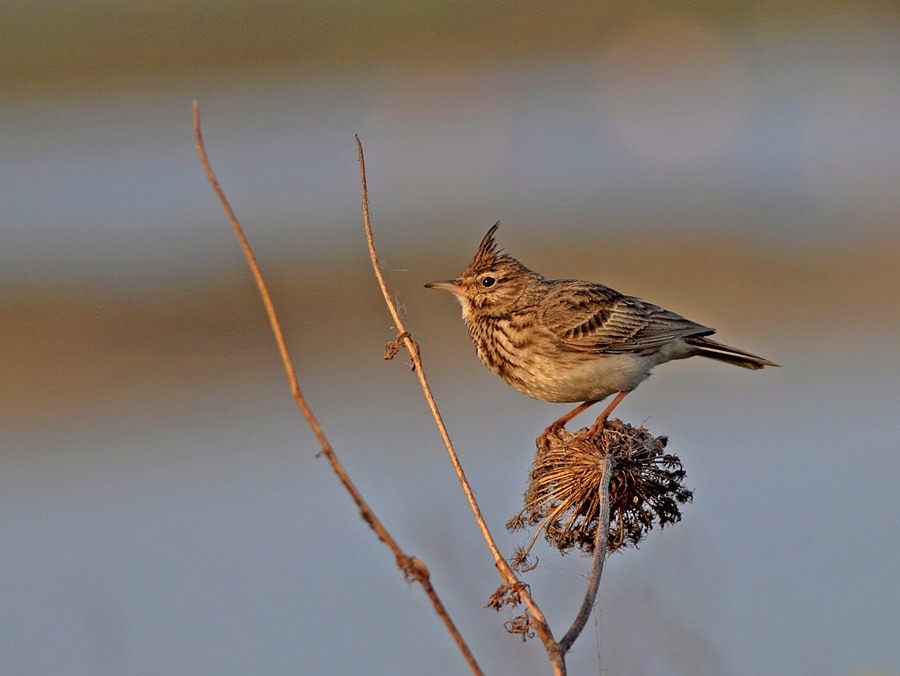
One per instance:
[(566, 340)]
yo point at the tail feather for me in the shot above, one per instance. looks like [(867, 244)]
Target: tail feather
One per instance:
[(707, 347)]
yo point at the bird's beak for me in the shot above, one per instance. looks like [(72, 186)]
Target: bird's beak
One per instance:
[(447, 285)]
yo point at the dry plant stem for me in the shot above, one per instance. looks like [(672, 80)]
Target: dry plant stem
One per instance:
[(539, 622), (590, 597), (411, 566)]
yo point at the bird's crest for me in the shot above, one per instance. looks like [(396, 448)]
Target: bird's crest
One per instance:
[(487, 251)]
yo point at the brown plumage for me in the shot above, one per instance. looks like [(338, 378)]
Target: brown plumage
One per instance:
[(567, 340)]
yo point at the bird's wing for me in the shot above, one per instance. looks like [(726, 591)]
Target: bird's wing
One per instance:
[(591, 317)]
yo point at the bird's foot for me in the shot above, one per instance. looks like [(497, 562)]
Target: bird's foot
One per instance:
[(596, 430), (543, 441)]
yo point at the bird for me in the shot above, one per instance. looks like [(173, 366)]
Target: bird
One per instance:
[(568, 340)]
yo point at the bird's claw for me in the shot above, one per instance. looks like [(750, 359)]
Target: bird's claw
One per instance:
[(596, 430), (544, 440)]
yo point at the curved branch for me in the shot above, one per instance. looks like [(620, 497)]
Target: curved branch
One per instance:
[(590, 596), (539, 622), (412, 568)]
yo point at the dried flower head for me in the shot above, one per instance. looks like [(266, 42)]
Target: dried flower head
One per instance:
[(564, 494)]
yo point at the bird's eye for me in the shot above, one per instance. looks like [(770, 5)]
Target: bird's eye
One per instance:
[(488, 282)]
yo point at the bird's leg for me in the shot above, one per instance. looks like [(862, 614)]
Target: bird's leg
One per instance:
[(600, 423), (559, 424)]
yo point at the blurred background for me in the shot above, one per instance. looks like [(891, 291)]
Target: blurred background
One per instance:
[(162, 508)]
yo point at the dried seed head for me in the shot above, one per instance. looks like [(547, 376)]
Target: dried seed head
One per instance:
[(564, 494)]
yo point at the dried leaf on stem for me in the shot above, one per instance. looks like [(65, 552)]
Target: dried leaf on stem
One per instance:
[(511, 595)]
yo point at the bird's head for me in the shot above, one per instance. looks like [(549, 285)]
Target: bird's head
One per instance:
[(494, 284)]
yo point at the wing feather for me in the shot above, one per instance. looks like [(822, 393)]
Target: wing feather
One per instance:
[(589, 317)]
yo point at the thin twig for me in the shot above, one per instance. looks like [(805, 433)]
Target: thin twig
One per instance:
[(411, 566), (590, 596), (538, 620)]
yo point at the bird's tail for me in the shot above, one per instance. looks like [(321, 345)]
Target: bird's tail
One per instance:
[(710, 348)]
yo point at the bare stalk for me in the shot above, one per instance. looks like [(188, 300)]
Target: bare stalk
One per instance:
[(412, 568), (590, 596), (538, 621)]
